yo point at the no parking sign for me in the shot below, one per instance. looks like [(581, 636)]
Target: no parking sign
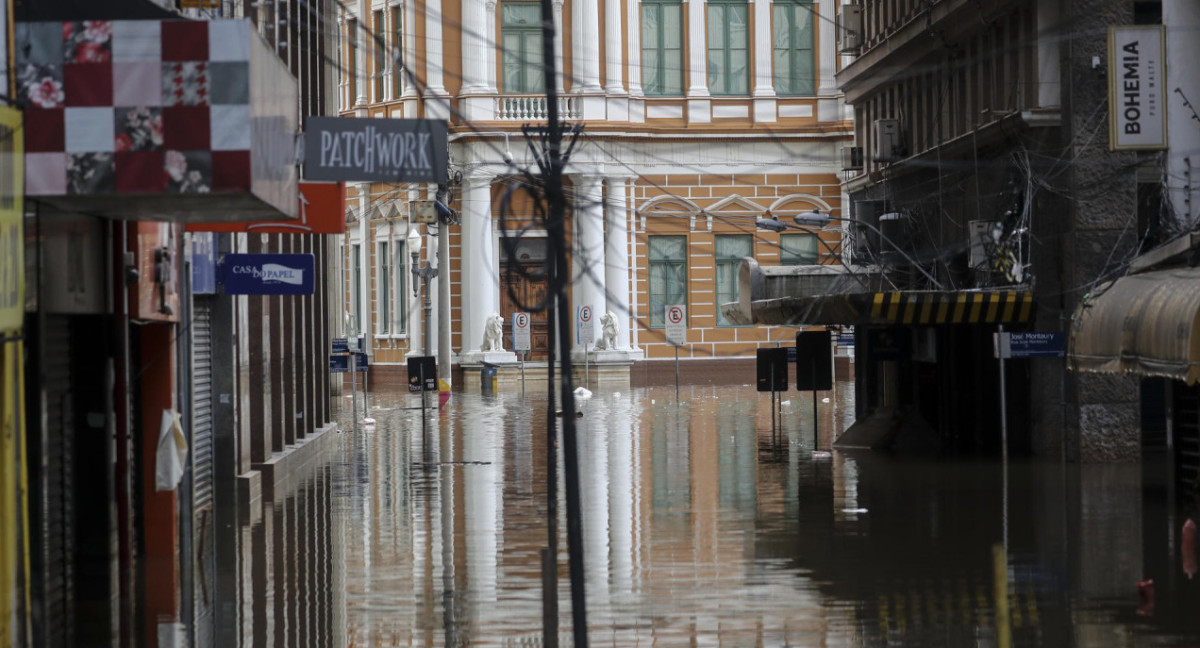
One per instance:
[(521, 331), (676, 317), (585, 329)]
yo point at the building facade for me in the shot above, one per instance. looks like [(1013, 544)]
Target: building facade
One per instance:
[(994, 191), (698, 119)]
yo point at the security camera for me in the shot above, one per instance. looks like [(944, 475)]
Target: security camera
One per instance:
[(508, 157)]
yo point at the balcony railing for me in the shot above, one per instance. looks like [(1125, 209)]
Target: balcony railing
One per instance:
[(532, 108)]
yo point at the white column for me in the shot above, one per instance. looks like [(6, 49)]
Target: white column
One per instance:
[(614, 52), (410, 52), (558, 46), (1183, 161), (491, 44), (359, 38), (763, 82), (585, 36), (435, 85), (764, 86), (829, 106), (474, 47), (616, 255), (699, 104), (480, 280), (633, 18), (588, 262), (613, 83)]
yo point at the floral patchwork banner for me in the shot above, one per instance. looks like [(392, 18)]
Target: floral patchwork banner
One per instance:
[(156, 107)]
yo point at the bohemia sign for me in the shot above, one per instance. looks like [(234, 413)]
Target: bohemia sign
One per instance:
[(375, 150), (267, 274), (1136, 74)]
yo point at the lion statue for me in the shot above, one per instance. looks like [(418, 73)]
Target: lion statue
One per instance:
[(608, 331), (493, 333)]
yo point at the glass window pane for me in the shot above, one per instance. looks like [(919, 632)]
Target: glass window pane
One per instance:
[(520, 13), (672, 26), (739, 26), (650, 26), (534, 68), (672, 74), (733, 247), (668, 248), (716, 27), (651, 75), (798, 249)]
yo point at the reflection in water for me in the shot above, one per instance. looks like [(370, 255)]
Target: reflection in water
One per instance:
[(698, 532)]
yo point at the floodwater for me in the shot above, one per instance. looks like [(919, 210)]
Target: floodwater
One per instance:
[(704, 528)]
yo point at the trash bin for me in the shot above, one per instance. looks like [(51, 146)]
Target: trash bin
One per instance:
[(487, 379)]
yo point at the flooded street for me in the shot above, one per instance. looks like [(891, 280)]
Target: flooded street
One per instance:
[(701, 531)]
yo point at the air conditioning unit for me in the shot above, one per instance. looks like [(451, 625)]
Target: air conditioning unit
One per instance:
[(850, 29), (852, 158), (422, 211), (887, 140)]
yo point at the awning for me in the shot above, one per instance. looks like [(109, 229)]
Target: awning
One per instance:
[(1144, 324), (911, 308)]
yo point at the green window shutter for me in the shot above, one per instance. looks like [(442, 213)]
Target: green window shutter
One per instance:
[(728, 255), (668, 275), (662, 49), (729, 48), (522, 69), (792, 40)]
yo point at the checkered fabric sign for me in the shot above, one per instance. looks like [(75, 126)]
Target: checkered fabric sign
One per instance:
[(135, 106)]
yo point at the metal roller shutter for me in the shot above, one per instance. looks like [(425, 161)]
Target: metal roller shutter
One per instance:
[(202, 471)]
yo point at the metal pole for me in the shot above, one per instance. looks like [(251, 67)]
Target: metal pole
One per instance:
[(443, 259), (587, 377), (676, 373), (1003, 400), (816, 421), (522, 374), (353, 390), (774, 440)]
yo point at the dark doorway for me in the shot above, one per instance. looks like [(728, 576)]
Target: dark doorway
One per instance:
[(516, 280)]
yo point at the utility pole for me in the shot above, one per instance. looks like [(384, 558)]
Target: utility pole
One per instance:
[(552, 172)]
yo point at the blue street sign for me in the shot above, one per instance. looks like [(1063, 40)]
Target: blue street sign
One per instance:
[(267, 274), (341, 363), (340, 346), (1037, 345)]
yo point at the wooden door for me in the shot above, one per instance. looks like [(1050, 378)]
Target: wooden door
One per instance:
[(528, 292)]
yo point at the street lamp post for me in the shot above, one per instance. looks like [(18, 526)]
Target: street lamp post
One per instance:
[(815, 219), (421, 272)]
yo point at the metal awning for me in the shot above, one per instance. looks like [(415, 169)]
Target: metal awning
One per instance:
[(911, 308), (1142, 324)]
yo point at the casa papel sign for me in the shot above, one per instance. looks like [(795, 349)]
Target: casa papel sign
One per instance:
[(350, 149), (1136, 76), (267, 274)]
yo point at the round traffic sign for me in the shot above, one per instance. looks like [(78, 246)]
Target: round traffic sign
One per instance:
[(521, 320), (585, 313), (674, 314)]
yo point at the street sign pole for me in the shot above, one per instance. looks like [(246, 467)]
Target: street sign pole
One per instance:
[(354, 390), (675, 317)]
